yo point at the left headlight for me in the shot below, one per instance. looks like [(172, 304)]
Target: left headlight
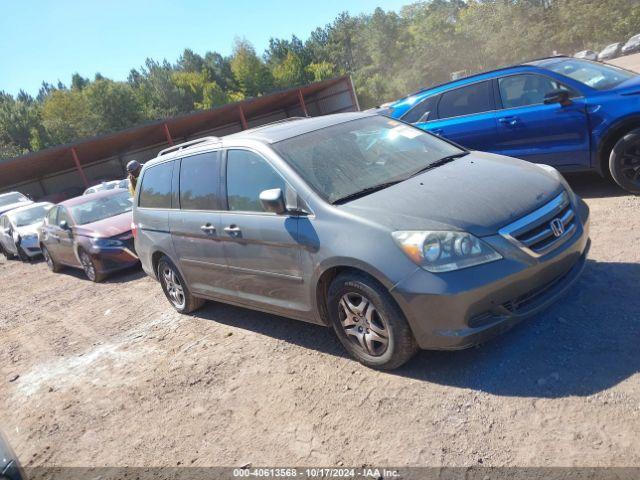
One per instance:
[(444, 251), (106, 242)]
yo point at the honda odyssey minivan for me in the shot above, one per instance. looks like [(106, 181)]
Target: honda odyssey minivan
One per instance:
[(394, 237)]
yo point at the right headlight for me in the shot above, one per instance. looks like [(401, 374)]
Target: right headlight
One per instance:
[(438, 251)]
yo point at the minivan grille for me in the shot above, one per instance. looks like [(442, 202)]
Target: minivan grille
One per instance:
[(545, 229)]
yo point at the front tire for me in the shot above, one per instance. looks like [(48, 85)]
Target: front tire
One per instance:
[(176, 289), (624, 162), (368, 323), (90, 268), (51, 263)]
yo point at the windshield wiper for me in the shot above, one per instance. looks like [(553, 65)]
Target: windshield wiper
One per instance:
[(437, 163), (365, 191)]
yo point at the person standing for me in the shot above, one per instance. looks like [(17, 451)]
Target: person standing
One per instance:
[(133, 172)]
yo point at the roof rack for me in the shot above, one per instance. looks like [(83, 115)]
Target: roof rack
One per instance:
[(190, 143)]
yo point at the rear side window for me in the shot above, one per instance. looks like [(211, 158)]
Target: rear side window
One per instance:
[(422, 112), (155, 191), (248, 174), (200, 182), (476, 98)]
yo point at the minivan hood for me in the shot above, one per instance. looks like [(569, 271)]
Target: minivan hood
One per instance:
[(478, 193), (109, 227)]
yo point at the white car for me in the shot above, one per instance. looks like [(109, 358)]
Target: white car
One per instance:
[(11, 200), (19, 230), (587, 55), (110, 185)]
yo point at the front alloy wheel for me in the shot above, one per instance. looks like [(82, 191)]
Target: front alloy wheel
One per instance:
[(368, 322), (363, 325), (624, 162), (89, 267)]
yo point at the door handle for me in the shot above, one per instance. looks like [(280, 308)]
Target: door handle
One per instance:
[(233, 230), (509, 121), (208, 228), (437, 131)]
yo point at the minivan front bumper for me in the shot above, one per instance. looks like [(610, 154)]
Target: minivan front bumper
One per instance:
[(460, 309)]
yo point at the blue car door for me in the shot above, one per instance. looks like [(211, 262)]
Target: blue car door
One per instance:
[(465, 115), (529, 129)]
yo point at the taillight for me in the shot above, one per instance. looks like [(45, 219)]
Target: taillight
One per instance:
[(134, 230)]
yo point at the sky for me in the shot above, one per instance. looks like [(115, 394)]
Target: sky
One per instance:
[(51, 40)]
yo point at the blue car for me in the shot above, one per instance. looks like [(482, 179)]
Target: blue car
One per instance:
[(575, 115)]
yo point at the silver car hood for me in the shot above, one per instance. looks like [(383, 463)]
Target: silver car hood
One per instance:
[(478, 193), (29, 229)]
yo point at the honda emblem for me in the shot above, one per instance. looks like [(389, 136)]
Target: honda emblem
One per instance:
[(557, 227)]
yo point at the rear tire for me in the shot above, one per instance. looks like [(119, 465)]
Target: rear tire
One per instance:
[(176, 289), (368, 323), (51, 263), (624, 162)]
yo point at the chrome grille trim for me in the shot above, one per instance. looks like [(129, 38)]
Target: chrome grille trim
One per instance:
[(533, 234)]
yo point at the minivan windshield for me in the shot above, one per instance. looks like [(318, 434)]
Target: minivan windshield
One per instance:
[(30, 216), (101, 208), (362, 155), (594, 75), (10, 198)]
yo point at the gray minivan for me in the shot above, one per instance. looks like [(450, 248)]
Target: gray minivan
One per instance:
[(396, 238)]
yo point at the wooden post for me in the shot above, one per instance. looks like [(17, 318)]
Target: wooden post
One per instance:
[(243, 120), (302, 104), (167, 134), (74, 154)]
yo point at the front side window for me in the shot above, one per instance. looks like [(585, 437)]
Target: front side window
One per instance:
[(476, 98), (99, 208), (52, 215), (422, 112), (594, 75), (248, 175), (200, 182), (526, 89), (353, 156), (63, 216), (155, 190)]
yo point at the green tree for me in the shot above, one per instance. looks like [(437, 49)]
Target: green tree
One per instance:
[(252, 75), (65, 115), (112, 105), (289, 71)]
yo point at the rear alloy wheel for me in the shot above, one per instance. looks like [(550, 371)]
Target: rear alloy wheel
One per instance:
[(624, 162), (368, 323), (89, 267), (175, 288), (53, 266)]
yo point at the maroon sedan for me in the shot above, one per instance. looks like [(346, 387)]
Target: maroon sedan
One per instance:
[(92, 232)]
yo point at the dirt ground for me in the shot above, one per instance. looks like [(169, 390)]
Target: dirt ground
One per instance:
[(108, 375)]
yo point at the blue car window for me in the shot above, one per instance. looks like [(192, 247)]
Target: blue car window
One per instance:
[(423, 111), (467, 100), (525, 89)]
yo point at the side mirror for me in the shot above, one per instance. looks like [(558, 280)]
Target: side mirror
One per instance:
[(273, 201), (64, 225), (7, 231), (560, 96)]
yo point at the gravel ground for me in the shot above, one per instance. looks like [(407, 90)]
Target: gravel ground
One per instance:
[(107, 374)]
